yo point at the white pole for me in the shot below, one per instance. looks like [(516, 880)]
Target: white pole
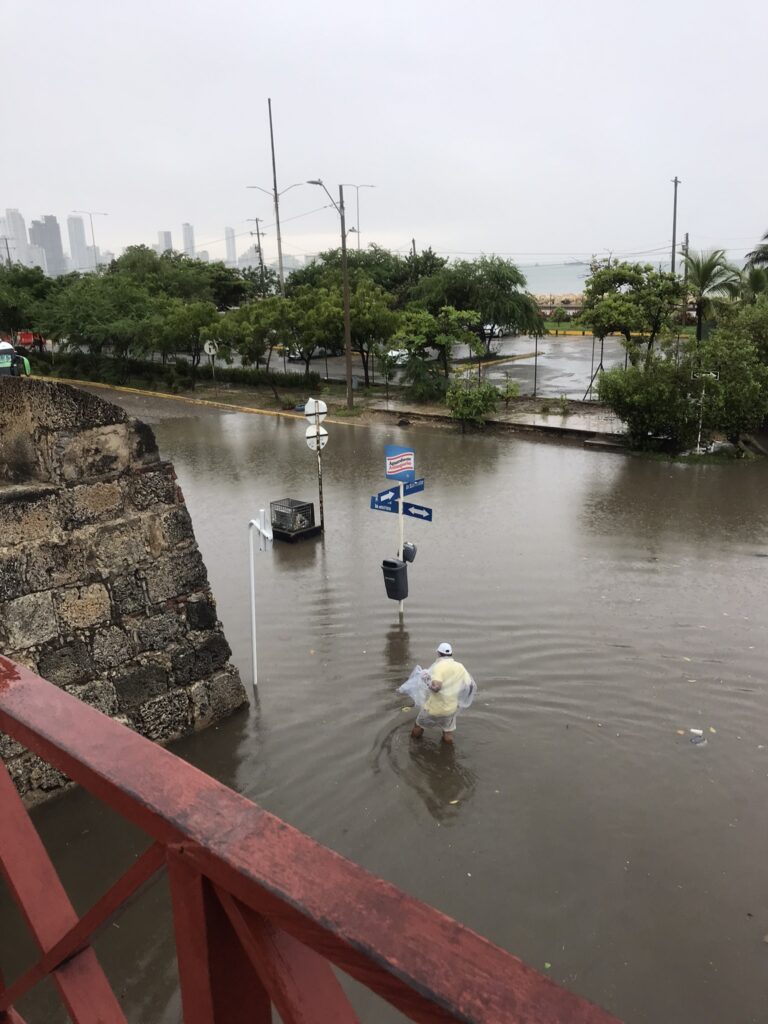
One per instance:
[(400, 517), (253, 602)]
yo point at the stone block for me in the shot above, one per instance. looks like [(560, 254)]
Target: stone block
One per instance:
[(30, 773), (100, 694), (57, 565), (175, 576), (226, 692), (200, 700), (111, 647), (166, 717), (149, 489), (92, 503), (67, 665), (12, 565), (140, 681), (128, 597), (211, 653), (118, 546), (82, 607), (201, 612), (90, 454), (158, 631), (182, 663), (176, 527), (32, 518), (28, 621)]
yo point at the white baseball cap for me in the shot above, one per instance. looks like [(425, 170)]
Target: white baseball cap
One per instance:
[(444, 649)]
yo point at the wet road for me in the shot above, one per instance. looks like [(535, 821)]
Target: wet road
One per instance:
[(603, 603)]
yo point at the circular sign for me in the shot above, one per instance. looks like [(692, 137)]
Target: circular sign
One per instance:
[(317, 438), (315, 409), (211, 348)]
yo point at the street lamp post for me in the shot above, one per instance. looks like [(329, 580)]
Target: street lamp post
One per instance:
[(339, 207), (357, 190), (91, 214), (276, 199)]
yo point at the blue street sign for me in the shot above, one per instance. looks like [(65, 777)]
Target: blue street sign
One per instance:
[(414, 486), (384, 506), (391, 494), (399, 462), (417, 511)]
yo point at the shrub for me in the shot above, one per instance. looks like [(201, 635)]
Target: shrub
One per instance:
[(470, 401)]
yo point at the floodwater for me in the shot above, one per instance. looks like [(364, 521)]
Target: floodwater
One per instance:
[(606, 605)]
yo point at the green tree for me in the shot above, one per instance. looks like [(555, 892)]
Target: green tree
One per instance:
[(654, 402), (759, 255), (421, 331), (314, 318), (186, 326), (630, 299), (491, 287), (753, 282), (710, 276), (22, 291), (372, 320), (736, 400), (471, 401), (747, 321)]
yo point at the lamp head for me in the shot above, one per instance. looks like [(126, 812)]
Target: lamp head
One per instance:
[(315, 181)]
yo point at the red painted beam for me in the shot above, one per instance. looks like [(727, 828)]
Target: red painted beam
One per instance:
[(35, 886), (301, 984), (82, 933), (218, 982), (422, 961)]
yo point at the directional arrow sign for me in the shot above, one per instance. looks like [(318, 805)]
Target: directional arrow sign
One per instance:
[(414, 486), (389, 495), (417, 511), (383, 506)]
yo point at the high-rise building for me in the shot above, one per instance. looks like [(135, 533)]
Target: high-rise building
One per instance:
[(203, 255), (229, 241), (16, 230), (79, 250), (164, 242), (47, 235), (188, 240), (36, 257), (250, 258)]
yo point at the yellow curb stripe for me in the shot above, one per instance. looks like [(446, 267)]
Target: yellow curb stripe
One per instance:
[(184, 398)]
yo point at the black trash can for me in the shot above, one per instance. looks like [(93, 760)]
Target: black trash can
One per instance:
[(395, 578)]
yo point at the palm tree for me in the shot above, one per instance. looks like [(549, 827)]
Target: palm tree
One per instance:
[(754, 282), (709, 276), (759, 255)]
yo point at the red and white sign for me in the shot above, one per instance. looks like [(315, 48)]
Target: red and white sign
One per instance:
[(403, 462)]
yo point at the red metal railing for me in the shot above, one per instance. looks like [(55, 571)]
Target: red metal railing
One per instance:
[(261, 911)]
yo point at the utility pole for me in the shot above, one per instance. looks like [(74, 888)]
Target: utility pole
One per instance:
[(413, 247), (277, 204), (685, 280), (675, 181), (257, 221), (345, 280), (4, 238)]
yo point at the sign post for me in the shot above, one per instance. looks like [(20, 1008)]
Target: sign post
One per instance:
[(317, 437), (400, 465), (265, 535), (211, 349)]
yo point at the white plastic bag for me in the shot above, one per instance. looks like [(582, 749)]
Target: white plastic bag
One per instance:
[(416, 686), (467, 692)]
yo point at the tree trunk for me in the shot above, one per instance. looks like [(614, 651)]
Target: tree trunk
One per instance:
[(364, 354), (699, 320)]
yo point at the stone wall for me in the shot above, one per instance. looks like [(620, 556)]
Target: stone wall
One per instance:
[(102, 587)]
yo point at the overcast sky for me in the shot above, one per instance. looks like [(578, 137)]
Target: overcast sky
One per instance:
[(537, 130)]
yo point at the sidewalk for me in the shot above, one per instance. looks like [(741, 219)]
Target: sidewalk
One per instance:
[(586, 425)]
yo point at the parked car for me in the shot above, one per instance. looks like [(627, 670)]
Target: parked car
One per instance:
[(494, 330), (399, 356)]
